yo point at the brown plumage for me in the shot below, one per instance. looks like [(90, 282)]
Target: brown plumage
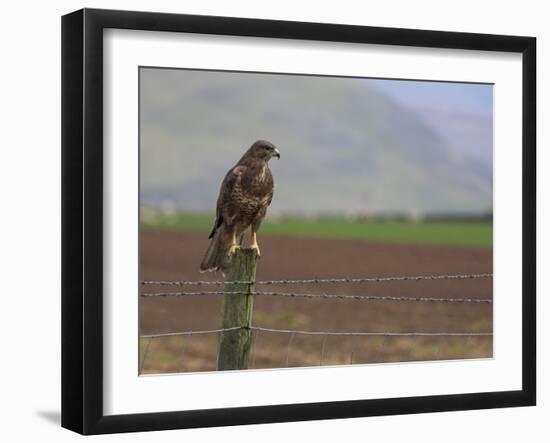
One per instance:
[(245, 194)]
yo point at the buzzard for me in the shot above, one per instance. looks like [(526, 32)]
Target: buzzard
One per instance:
[(245, 194)]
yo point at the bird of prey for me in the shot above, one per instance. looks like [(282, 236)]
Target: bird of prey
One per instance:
[(245, 194)]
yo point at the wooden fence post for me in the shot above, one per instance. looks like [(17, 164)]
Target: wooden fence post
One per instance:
[(234, 346)]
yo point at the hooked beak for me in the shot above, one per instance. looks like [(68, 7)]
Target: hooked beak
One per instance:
[(277, 154)]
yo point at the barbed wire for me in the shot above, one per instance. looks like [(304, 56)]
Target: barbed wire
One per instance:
[(325, 334), (192, 293), (322, 296), (316, 280), (374, 297)]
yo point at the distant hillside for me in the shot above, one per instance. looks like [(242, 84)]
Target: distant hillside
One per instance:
[(345, 147)]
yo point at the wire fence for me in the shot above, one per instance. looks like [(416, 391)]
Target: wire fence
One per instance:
[(353, 335), (316, 280), (337, 333), (325, 335), (322, 296), (209, 331)]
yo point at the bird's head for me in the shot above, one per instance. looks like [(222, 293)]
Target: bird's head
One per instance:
[(263, 150)]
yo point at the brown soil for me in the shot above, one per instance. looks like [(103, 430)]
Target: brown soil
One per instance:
[(174, 255)]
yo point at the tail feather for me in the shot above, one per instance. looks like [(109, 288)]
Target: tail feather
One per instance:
[(216, 255)]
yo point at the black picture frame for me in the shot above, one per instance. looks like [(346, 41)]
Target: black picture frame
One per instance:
[(82, 220)]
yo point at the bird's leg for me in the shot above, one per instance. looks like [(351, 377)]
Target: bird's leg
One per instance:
[(254, 244), (234, 245)]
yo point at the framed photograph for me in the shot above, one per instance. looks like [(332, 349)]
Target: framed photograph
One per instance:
[(269, 221)]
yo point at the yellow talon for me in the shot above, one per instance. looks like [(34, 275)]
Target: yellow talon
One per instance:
[(233, 248), (257, 248), (254, 244)]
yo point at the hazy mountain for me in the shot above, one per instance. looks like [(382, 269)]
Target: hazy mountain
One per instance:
[(345, 147)]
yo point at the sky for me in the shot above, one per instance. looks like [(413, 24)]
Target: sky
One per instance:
[(468, 98), (460, 112)]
